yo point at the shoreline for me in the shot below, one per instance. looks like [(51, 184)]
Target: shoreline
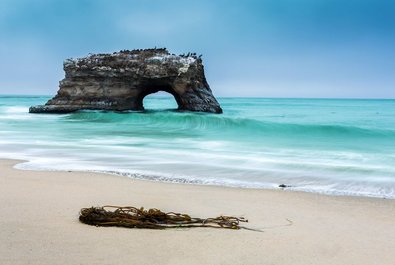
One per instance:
[(185, 181), (40, 223)]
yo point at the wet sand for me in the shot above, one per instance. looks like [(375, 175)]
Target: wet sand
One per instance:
[(39, 223)]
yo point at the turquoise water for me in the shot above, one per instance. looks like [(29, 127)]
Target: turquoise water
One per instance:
[(320, 145)]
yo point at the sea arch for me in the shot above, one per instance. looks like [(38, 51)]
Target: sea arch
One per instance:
[(120, 81)]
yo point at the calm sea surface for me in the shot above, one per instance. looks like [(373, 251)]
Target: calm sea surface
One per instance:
[(321, 145)]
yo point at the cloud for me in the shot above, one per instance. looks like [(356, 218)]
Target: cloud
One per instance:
[(276, 47), (163, 23)]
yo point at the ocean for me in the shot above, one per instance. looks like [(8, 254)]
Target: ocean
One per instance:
[(330, 146)]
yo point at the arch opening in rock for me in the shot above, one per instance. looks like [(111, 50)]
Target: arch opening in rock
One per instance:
[(120, 81), (160, 101)]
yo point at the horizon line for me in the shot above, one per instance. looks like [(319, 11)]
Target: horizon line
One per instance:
[(246, 97)]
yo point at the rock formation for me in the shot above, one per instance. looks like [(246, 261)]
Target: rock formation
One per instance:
[(121, 80)]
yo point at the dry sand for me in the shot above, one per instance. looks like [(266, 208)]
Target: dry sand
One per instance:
[(39, 223)]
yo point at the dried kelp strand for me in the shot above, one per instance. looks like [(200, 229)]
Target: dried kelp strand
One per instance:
[(132, 217)]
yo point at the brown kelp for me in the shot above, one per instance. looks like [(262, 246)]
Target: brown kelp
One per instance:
[(132, 217)]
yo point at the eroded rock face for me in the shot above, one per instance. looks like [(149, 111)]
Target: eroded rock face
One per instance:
[(121, 80)]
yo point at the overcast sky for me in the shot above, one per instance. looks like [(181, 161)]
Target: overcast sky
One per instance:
[(265, 48)]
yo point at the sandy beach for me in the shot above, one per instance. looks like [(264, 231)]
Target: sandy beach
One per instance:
[(39, 223)]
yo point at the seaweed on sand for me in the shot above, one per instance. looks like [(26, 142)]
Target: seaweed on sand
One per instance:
[(132, 217)]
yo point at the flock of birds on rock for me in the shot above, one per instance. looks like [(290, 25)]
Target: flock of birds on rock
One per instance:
[(159, 50)]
